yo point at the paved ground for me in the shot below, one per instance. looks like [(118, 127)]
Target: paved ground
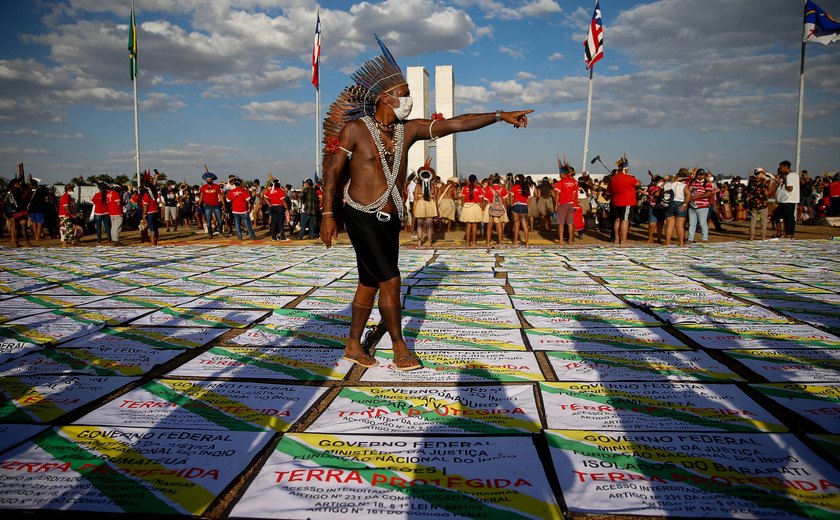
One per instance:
[(207, 379)]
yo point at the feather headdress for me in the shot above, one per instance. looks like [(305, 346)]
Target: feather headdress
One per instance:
[(623, 162), (374, 77), (564, 165)]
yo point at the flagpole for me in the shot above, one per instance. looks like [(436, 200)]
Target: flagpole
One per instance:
[(134, 83), (588, 114), (801, 104)]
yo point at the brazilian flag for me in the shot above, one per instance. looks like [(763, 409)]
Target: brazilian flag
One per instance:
[(132, 45)]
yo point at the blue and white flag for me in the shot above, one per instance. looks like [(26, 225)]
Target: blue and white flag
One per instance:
[(819, 25)]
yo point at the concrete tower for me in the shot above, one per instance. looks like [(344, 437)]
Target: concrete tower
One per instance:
[(446, 164), (418, 84)]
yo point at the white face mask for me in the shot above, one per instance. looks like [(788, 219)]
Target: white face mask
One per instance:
[(404, 109)]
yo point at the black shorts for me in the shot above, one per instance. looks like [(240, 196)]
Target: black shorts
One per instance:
[(623, 212), (377, 245)]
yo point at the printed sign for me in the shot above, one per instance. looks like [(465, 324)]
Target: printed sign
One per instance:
[(296, 318), (431, 410), (463, 366), (638, 366), (455, 339), (727, 336), (100, 361), (125, 470), (10, 348), (829, 443), (589, 318), (469, 318), (829, 320), (182, 317), (151, 301), (564, 289), (338, 477), (817, 403), (296, 364), (696, 299), (9, 313), (47, 301), (526, 302), (242, 301), (455, 290), (457, 301), (41, 399), (692, 474), (752, 314), (207, 405), (310, 335), (654, 406), (629, 338), (139, 337), (792, 365), (265, 286)]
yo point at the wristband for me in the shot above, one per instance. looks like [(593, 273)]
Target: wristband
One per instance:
[(498, 115), (326, 213)]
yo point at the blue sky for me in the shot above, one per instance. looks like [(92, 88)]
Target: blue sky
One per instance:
[(710, 83)]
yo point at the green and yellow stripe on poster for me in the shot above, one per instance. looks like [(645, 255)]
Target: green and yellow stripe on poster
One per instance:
[(420, 477), (125, 470), (693, 474)]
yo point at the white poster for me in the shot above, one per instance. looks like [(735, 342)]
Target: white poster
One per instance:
[(140, 471), (471, 318), (463, 366), (40, 399), (740, 336), (101, 361), (747, 315), (285, 363), (625, 338), (693, 475), (404, 477), (654, 406), (241, 301), (641, 365), (431, 410), (156, 337), (11, 434), (817, 403), (10, 348), (806, 365), (458, 338), (531, 302), (207, 405), (182, 317), (589, 318)]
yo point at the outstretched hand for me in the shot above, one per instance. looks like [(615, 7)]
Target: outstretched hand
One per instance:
[(517, 119)]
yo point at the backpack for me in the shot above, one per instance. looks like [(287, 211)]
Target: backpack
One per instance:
[(497, 209), (666, 197)]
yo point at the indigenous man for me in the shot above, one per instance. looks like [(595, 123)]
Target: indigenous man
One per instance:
[(367, 140)]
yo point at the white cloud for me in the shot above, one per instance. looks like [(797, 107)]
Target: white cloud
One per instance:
[(512, 52), (525, 75), (504, 11), (557, 56), (277, 111), (26, 132), (12, 150)]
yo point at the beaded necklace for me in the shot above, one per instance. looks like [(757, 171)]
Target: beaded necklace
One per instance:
[(391, 174)]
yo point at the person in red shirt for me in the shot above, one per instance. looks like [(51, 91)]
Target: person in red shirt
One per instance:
[(211, 197), (493, 193), (275, 197), (622, 193), (566, 192), (101, 218), (67, 216), (472, 211), (239, 198), (520, 192), (151, 208), (115, 212)]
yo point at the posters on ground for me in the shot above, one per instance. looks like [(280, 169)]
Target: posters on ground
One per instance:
[(287, 363), (747, 315), (817, 403), (530, 302), (11, 348), (183, 317), (464, 366), (310, 335), (125, 470), (40, 399), (207, 405), (485, 410), (749, 336), (11, 434), (451, 319), (804, 365), (240, 301), (693, 474), (101, 361), (156, 337), (589, 318), (607, 338), (402, 476), (455, 339), (684, 365), (654, 406)]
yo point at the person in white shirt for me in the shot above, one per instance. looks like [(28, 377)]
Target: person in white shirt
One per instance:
[(788, 198)]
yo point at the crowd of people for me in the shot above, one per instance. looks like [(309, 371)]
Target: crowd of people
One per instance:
[(496, 208)]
